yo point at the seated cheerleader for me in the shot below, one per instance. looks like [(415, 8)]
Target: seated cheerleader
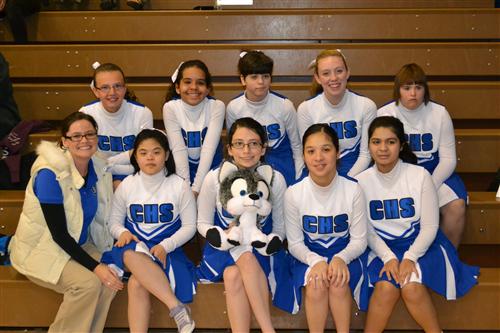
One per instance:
[(153, 215), (408, 251), (429, 129), (248, 275), (326, 232), (119, 117)]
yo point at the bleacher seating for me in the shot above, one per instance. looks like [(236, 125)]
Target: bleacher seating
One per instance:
[(457, 42)]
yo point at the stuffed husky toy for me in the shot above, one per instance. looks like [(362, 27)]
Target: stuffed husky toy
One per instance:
[(244, 194)]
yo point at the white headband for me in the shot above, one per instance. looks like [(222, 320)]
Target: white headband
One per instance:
[(95, 66), (176, 73), (244, 53), (313, 62)]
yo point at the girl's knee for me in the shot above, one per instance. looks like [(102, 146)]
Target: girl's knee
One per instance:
[(232, 279), (248, 264), (413, 292), (387, 292), (342, 291), (455, 208), (133, 283), (317, 293)]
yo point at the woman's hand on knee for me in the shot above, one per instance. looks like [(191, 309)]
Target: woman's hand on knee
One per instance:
[(391, 269), (318, 275), (338, 273), (406, 268), (159, 252), (125, 238), (108, 277)]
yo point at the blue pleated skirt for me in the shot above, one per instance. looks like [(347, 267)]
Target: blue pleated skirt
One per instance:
[(179, 270), (439, 268)]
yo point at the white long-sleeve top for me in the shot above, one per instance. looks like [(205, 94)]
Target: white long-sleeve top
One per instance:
[(337, 211), (277, 114), (152, 207), (211, 212), (117, 130), (431, 137), (397, 203), (194, 134), (350, 119)]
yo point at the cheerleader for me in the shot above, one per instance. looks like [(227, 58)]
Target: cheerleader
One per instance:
[(248, 276), (347, 113), (119, 118), (326, 232), (430, 134), (193, 121), (274, 111), (408, 251), (153, 215)]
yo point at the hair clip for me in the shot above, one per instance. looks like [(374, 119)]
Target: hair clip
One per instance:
[(159, 130), (311, 64), (176, 73), (342, 54), (243, 53), (95, 66)]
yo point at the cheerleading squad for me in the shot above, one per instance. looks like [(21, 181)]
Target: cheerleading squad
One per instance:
[(367, 200)]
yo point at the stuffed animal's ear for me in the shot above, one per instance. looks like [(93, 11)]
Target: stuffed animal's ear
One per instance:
[(226, 169), (266, 172)]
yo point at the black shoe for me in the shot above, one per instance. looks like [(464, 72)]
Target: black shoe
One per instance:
[(108, 4), (136, 4)]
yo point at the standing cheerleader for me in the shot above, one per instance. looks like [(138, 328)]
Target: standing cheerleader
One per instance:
[(248, 275), (347, 113), (408, 252), (153, 215), (118, 116), (275, 112), (326, 232), (193, 121), (429, 129)]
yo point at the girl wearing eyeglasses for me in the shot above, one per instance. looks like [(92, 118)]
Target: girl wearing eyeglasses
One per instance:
[(62, 233), (193, 121), (119, 116), (248, 276)]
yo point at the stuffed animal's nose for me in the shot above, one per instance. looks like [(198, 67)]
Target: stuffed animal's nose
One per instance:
[(254, 196)]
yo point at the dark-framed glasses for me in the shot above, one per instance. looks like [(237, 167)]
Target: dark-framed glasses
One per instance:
[(106, 89), (251, 145), (79, 137)]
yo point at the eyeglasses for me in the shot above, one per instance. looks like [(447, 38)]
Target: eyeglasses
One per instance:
[(251, 145), (79, 137), (106, 89)]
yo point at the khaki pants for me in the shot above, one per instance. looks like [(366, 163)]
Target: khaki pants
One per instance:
[(86, 300)]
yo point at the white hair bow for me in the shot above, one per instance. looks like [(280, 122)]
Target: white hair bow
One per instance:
[(95, 66), (176, 72)]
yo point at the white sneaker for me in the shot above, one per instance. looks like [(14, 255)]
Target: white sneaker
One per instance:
[(182, 316)]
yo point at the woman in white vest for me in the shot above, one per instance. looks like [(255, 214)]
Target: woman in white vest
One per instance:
[(62, 233)]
